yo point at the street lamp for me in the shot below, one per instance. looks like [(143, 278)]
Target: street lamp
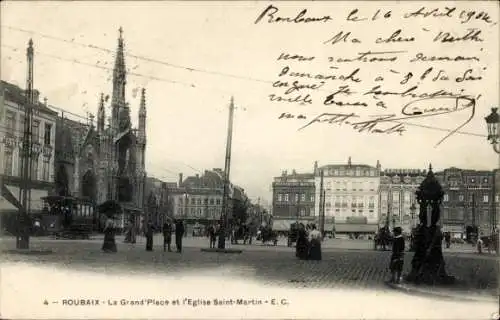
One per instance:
[(492, 123), (413, 209)]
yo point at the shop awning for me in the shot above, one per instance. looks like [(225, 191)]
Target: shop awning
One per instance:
[(453, 228), (10, 197), (354, 227), (282, 225)]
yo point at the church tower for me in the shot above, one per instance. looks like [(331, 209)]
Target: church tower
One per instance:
[(119, 82)]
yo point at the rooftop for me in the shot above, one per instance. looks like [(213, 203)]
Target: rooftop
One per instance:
[(17, 95)]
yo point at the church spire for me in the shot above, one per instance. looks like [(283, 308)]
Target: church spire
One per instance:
[(119, 79), (101, 115), (142, 116)]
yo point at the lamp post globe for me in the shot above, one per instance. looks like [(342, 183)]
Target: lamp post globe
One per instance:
[(492, 123)]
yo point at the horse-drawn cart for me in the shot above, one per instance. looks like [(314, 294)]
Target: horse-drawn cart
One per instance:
[(267, 234)]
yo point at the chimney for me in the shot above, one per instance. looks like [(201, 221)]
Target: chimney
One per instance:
[(180, 179), (349, 161), (315, 167), (378, 165)]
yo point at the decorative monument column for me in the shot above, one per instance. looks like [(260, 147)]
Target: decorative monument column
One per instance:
[(428, 264)]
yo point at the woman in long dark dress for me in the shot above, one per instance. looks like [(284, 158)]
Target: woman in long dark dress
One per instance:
[(109, 244), (301, 249), (149, 237), (315, 244)]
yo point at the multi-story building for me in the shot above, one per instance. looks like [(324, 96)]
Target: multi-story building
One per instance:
[(106, 160), (293, 199), (11, 136), (198, 199), (397, 195), (158, 204), (351, 197), (468, 201)]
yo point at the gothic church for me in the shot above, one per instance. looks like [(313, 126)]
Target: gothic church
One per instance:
[(106, 160)]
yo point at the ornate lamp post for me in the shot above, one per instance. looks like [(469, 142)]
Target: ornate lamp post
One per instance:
[(413, 209), (493, 125), (428, 264)]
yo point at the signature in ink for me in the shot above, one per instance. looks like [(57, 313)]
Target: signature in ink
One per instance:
[(370, 126), (434, 106), (393, 124)]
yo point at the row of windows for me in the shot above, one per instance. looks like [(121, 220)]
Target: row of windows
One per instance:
[(8, 167), (461, 197), (10, 124), (358, 172), (396, 196), (353, 212), (354, 186), (199, 201), (461, 214), (285, 197), (198, 212), (369, 199)]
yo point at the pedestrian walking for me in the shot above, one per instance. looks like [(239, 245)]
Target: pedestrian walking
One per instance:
[(314, 244), (479, 245), (167, 236), (109, 244), (397, 257), (447, 239), (179, 233), (149, 236), (212, 234), (302, 244)]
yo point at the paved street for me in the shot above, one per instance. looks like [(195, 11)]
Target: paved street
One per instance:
[(274, 266)]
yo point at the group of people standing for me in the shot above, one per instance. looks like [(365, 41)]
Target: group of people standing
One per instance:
[(109, 244), (308, 245)]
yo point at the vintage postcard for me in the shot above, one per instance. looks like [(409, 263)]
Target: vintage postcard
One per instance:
[(249, 160)]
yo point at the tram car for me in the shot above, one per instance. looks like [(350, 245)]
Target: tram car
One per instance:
[(68, 217)]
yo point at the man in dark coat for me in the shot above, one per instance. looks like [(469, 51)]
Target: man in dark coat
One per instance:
[(179, 232), (167, 236), (397, 257), (212, 234)]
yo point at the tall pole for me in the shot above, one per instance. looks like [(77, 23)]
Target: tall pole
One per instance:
[(22, 238), (473, 211), (227, 167), (321, 209), (322, 226), (298, 205)]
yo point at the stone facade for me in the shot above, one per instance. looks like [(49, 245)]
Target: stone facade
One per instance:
[(293, 199), (351, 196), (396, 196), (13, 101), (468, 200)]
